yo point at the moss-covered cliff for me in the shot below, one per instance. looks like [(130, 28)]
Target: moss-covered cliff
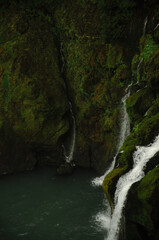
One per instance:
[(33, 100), (96, 72), (38, 40)]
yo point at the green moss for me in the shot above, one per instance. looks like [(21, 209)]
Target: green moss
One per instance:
[(144, 132), (54, 130), (33, 98), (93, 87), (151, 70), (147, 185), (141, 211), (96, 73), (111, 179), (126, 156), (147, 46), (114, 56), (154, 109), (108, 181), (138, 104), (148, 70)]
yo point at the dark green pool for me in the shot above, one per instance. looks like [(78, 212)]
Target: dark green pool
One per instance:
[(40, 205)]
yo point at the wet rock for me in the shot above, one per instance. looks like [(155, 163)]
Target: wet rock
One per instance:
[(65, 169)]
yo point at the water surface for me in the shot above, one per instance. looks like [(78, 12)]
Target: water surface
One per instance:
[(41, 205)]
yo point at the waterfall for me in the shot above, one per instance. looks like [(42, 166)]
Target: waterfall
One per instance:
[(124, 120), (140, 157), (98, 181), (156, 26), (145, 25), (68, 154), (124, 132), (104, 219)]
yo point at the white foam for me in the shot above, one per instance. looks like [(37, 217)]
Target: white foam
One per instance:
[(102, 219)]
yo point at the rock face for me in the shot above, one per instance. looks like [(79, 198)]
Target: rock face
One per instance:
[(33, 101), (96, 73)]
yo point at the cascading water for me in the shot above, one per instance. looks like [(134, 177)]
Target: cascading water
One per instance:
[(124, 120), (124, 132), (104, 219), (140, 157), (133, 176)]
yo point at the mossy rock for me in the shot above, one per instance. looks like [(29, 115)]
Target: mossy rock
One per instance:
[(147, 185), (138, 104), (142, 205), (144, 132), (151, 70), (109, 183)]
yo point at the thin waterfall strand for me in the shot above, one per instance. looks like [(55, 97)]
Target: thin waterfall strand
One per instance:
[(138, 68), (69, 156), (145, 25), (156, 26), (140, 157), (98, 181), (124, 121), (142, 59), (124, 132)]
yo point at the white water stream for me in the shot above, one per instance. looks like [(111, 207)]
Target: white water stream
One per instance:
[(140, 157)]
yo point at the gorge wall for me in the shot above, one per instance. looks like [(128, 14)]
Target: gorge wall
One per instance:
[(86, 52)]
